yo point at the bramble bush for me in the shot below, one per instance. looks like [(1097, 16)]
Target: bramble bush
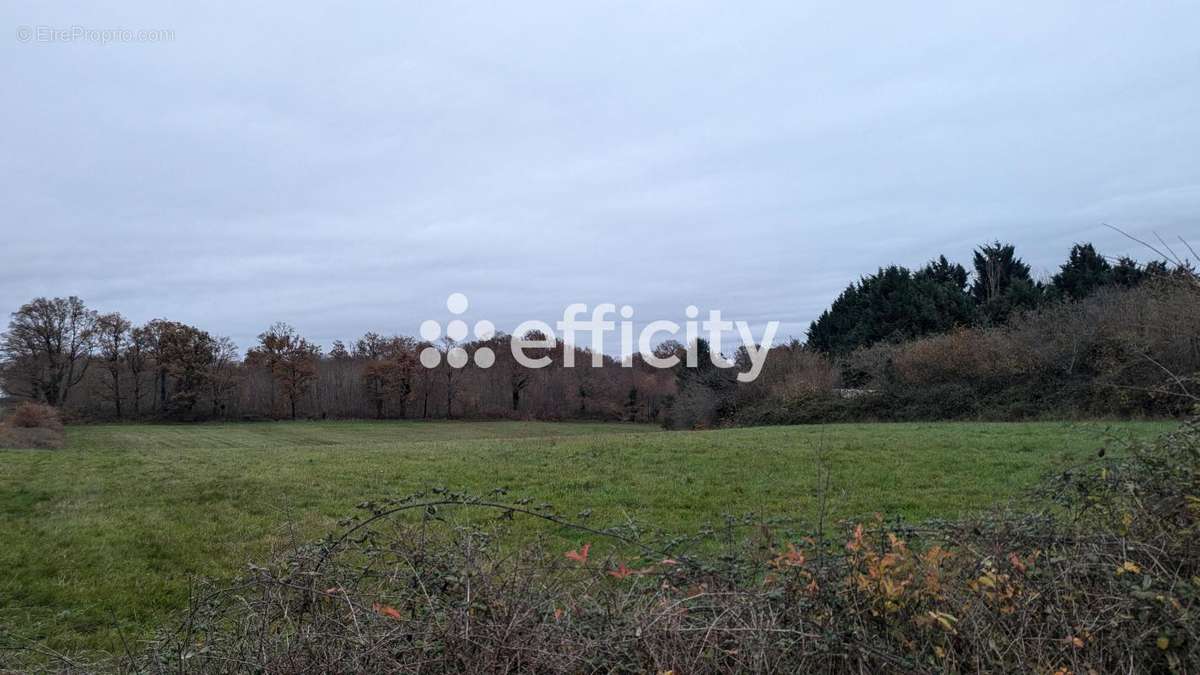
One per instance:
[(36, 416)]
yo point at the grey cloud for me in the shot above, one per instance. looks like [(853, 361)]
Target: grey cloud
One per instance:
[(345, 170)]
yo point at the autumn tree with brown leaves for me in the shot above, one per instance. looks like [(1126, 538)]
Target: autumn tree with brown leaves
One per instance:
[(289, 358), (388, 371)]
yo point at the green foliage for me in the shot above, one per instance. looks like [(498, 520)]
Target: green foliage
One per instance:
[(1127, 273), (894, 304), (1002, 283), (997, 269), (945, 272), (1086, 270)]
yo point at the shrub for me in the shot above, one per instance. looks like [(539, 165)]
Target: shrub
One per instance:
[(959, 357), (809, 408), (36, 416), (32, 425), (790, 371)]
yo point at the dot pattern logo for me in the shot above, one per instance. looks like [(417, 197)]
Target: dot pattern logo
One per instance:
[(457, 344), (456, 331)]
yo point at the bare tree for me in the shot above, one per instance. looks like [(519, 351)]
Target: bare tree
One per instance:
[(223, 372), (47, 345), (112, 339), (425, 379), (451, 373), (519, 376), (153, 333), (136, 355)]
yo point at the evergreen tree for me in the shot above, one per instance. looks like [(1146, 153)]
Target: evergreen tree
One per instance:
[(1084, 272), (1002, 283), (1156, 269), (894, 304), (943, 271), (1126, 273)]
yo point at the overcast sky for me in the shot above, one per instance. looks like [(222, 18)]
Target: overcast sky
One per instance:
[(346, 170)]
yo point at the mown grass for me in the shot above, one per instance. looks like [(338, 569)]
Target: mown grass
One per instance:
[(110, 530)]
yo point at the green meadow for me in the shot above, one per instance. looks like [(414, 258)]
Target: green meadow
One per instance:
[(104, 537)]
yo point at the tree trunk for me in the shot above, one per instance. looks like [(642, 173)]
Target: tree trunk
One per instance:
[(117, 393), (66, 386), (162, 390)]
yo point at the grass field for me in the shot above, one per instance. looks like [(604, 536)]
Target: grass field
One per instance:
[(111, 529)]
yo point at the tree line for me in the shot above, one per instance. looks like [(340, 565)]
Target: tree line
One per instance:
[(1098, 338), (897, 304), (939, 341), (102, 366)]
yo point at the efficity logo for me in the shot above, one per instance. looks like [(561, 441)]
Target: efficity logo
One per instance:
[(576, 320)]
